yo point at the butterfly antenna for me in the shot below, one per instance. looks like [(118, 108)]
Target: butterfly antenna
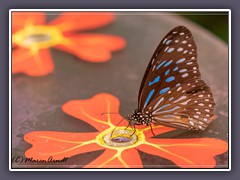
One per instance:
[(117, 126)]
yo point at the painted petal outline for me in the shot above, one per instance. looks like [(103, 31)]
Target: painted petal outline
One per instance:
[(59, 144), (128, 158), (92, 47), (37, 64)]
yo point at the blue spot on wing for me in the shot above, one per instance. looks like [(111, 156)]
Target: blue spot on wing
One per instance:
[(148, 98), (166, 72), (170, 50), (171, 78), (169, 62), (154, 81), (176, 68), (180, 60), (160, 64), (164, 90), (168, 42)]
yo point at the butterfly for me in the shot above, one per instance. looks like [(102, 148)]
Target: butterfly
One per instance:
[(172, 92)]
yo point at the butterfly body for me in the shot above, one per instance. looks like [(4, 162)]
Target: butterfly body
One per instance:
[(172, 92), (140, 118)]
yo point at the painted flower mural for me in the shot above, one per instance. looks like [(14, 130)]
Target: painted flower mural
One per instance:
[(32, 38), (121, 147)]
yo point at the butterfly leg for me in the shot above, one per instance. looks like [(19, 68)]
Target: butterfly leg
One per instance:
[(152, 129), (127, 126), (134, 130)]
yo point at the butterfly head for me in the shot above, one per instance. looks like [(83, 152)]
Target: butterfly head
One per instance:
[(139, 118)]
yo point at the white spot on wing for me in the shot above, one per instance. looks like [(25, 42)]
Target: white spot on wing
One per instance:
[(164, 40), (180, 49), (185, 75), (207, 110), (184, 103), (183, 70), (178, 89), (196, 116), (189, 63), (156, 105), (191, 123), (166, 48), (181, 98), (154, 67)]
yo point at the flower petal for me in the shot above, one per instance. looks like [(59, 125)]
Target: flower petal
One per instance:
[(91, 110), (132, 158), (72, 21), (92, 47), (58, 145), (38, 64), (186, 153), (115, 159), (159, 129), (20, 19)]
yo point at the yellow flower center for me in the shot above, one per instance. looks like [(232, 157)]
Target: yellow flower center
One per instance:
[(121, 138), (37, 37)]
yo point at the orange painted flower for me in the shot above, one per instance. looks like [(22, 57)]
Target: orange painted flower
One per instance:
[(121, 149), (32, 38)]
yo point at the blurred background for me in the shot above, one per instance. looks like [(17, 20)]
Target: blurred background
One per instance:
[(217, 23)]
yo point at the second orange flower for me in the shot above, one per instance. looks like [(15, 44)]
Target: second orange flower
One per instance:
[(32, 37)]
